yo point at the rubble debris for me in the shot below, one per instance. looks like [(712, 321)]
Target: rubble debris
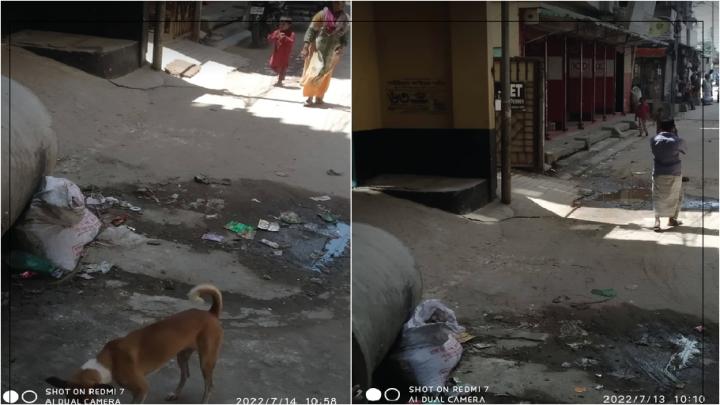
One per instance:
[(102, 267), (281, 174), (278, 252), (332, 172), (481, 346), (245, 231), (270, 243), (85, 276), (566, 364), (202, 179), (268, 226), (214, 237), (290, 217), (464, 337), (321, 198), (604, 292)]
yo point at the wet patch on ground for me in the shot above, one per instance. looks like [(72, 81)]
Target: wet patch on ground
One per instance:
[(182, 212), (613, 350)]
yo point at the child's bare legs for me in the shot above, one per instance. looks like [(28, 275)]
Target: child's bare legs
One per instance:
[(281, 77)]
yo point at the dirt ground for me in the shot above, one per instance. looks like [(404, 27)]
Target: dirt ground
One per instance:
[(286, 317), (520, 279)]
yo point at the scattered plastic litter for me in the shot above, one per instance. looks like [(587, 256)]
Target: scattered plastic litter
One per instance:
[(699, 328), (465, 337), (335, 246), (580, 390), (245, 231), (321, 198), (571, 328), (28, 274), (213, 237), (604, 292), (119, 220), (268, 226), (255, 200), (281, 174), (327, 217), (481, 346), (566, 364), (270, 243), (586, 362), (135, 208), (332, 172), (203, 179), (290, 217), (211, 216), (85, 276), (102, 267), (599, 387), (122, 235), (25, 261), (278, 252), (688, 349)]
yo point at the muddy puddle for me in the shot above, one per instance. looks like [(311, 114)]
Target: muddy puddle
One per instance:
[(641, 198), (187, 212)]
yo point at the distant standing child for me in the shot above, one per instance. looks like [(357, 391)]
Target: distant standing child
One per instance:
[(282, 39), (642, 114)]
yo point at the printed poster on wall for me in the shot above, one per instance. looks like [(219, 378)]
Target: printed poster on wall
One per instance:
[(417, 96)]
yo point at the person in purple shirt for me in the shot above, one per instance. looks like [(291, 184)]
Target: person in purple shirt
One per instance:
[(666, 148)]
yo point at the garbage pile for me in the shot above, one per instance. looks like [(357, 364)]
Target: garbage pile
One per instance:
[(429, 347), (54, 230)]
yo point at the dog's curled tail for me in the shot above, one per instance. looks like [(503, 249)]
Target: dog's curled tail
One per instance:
[(207, 289)]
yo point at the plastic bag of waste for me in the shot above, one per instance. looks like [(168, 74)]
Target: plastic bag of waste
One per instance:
[(428, 349), (57, 225)]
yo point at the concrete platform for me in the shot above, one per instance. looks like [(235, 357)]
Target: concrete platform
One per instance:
[(453, 194), (104, 57)]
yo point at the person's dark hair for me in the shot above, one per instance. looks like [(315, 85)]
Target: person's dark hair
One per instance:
[(667, 125)]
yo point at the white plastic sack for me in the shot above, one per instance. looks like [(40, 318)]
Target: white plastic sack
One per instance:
[(57, 225), (428, 350)]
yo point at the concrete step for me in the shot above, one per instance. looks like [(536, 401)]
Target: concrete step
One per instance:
[(453, 194), (108, 58), (594, 137)]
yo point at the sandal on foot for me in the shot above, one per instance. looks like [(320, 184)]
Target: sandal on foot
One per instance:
[(674, 222)]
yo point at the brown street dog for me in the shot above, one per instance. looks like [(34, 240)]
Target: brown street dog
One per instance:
[(126, 361)]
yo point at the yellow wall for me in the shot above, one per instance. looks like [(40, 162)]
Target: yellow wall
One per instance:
[(471, 63), (455, 53), (495, 29), (365, 93)]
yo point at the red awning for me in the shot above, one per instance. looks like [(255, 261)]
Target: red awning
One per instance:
[(651, 52)]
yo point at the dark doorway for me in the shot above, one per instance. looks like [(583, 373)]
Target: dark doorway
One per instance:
[(619, 81)]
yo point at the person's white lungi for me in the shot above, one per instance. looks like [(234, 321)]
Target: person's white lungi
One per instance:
[(667, 195)]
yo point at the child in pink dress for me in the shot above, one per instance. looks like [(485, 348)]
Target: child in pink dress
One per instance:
[(282, 39)]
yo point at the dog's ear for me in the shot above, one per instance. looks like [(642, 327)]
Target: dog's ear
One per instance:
[(56, 382), (104, 386)]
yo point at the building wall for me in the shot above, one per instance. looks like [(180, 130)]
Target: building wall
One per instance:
[(451, 136), (365, 98)]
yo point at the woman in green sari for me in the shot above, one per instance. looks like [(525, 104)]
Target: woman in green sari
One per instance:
[(325, 39)]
